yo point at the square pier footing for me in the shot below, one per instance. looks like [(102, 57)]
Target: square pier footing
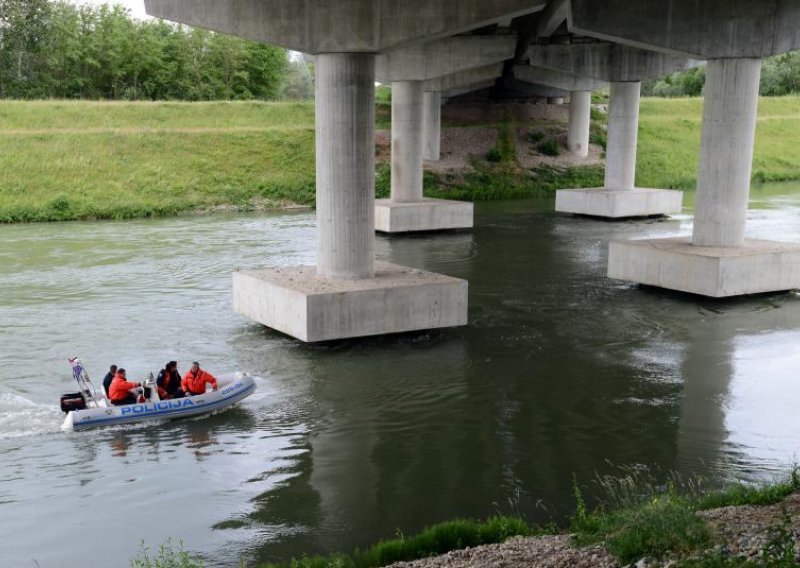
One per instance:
[(676, 264), (426, 215), (297, 302), (619, 203)]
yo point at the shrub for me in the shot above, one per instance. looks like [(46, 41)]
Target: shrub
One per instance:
[(549, 147)]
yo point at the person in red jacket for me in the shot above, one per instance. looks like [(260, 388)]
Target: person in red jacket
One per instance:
[(122, 391), (194, 381)]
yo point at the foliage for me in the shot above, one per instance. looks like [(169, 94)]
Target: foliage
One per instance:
[(55, 49), (536, 136), (741, 494), (663, 525), (383, 95), (434, 540), (549, 147), (780, 75), (166, 557), (506, 148), (299, 84)]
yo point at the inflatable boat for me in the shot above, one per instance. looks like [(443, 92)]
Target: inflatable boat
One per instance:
[(89, 409)]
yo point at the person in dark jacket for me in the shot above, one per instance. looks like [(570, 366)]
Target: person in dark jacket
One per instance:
[(169, 381), (108, 378)]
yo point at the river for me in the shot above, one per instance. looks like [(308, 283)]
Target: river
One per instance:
[(560, 372)]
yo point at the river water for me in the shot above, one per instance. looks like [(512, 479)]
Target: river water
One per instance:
[(560, 372)]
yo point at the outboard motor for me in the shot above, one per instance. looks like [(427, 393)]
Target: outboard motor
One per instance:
[(72, 401)]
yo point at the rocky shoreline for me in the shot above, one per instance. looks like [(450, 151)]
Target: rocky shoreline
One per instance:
[(746, 532)]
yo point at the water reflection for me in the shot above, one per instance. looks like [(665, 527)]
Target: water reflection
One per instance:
[(560, 372)]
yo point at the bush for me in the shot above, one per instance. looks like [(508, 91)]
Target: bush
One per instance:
[(549, 147), (536, 136)]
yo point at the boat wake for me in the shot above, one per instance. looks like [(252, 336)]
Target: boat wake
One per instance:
[(22, 417)]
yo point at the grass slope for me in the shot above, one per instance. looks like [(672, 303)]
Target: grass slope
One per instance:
[(669, 141), (63, 160), (73, 160)]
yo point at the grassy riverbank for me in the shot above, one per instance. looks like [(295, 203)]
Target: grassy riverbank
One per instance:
[(675, 523), (85, 160)]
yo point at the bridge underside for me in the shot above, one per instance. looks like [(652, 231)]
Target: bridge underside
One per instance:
[(620, 42)]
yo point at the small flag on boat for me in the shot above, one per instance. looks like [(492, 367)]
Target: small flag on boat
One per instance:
[(77, 367)]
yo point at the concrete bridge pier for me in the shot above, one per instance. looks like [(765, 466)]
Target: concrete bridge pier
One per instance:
[(407, 141), (433, 67), (348, 294), (432, 125), (619, 197), (580, 112), (717, 261), (624, 68), (623, 134)]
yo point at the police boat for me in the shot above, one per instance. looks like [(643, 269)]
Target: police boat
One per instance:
[(88, 408)]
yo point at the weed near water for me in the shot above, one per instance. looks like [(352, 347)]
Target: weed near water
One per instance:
[(167, 556), (434, 540)]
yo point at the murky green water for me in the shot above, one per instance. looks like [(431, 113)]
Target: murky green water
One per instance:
[(561, 371)]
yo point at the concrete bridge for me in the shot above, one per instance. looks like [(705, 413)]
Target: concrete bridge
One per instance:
[(424, 48)]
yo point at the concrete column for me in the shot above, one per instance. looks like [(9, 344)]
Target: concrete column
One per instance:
[(407, 134), (726, 152), (623, 125), (580, 104), (345, 125), (433, 125)]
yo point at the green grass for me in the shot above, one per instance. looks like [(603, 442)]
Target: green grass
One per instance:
[(669, 141), (92, 162), (741, 494), (641, 517), (434, 540), (64, 160)]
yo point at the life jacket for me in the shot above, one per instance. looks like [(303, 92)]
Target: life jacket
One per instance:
[(196, 384), (120, 388)]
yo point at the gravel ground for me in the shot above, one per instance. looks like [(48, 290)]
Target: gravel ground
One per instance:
[(745, 531), (740, 531), (552, 551)]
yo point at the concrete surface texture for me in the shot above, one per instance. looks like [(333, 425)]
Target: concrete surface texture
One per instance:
[(443, 57), (676, 264), (424, 215), (557, 79), (623, 131), (702, 29), (726, 151), (465, 78), (580, 106), (407, 141), (607, 61), (322, 26), (345, 145), (299, 303), (432, 125), (619, 204)]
